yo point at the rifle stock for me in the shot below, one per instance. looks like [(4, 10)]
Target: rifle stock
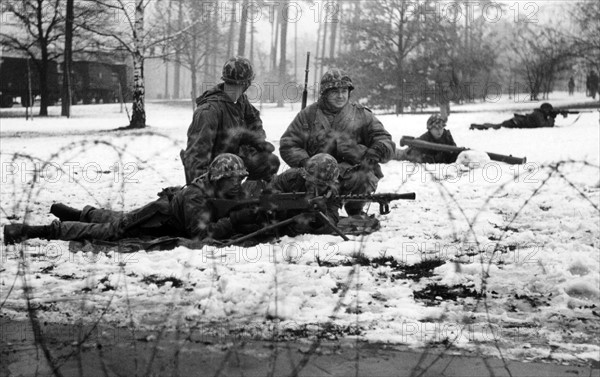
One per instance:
[(411, 141)]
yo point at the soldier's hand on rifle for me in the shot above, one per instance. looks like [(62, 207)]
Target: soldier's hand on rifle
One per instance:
[(371, 157), (320, 204)]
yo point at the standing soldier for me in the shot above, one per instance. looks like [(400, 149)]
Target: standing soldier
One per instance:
[(347, 131), (226, 122), (571, 86)]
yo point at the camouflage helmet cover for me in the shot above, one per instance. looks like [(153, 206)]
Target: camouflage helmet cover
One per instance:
[(335, 78), (226, 165), (436, 121), (321, 169), (238, 70)]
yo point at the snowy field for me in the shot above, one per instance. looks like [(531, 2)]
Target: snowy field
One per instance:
[(491, 259)]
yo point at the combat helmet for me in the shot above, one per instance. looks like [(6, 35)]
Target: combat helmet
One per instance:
[(546, 107), (238, 70), (437, 121), (321, 169), (226, 165), (335, 78)]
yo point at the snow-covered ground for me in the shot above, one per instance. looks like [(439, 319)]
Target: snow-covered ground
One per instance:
[(492, 258)]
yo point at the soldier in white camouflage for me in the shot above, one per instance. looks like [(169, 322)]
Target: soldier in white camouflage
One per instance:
[(347, 131), (179, 212)]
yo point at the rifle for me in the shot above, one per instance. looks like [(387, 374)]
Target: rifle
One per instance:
[(411, 141), (302, 202), (305, 91), (566, 112)]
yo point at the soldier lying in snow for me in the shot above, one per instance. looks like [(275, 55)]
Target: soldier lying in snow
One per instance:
[(179, 212), (436, 133)]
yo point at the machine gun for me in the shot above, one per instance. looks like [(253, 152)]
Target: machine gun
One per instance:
[(565, 112), (300, 201), (416, 143)]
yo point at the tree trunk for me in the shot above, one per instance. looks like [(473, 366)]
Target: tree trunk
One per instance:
[(323, 47), (44, 100), (282, 61), (138, 113), (243, 22), (209, 47), (66, 94), (333, 34), (316, 58), (274, 45), (177, 73), (194, 67), (230, 38), (252, 31)]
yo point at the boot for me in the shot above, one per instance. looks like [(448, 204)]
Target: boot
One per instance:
[(64, 212), (15, 233)]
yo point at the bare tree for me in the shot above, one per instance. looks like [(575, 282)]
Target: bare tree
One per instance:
[(36, 34), (138, 39), (543, 53), (282, 55), (68, 60), (243, 23)]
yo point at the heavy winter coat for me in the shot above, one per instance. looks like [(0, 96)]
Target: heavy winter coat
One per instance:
[(216, 128), (346, 136), (416, 154)]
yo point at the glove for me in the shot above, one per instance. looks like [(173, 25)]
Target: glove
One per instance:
[(320, 204), (372, 156), (256, 141)]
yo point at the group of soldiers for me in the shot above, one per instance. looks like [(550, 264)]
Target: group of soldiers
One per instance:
[(333, 147)]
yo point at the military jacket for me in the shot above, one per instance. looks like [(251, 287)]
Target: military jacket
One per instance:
[(346, 137), (215, 129)]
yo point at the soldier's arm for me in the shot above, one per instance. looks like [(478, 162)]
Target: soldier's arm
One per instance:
[(379, 139), (201, 137), (293, 141), (252, 119), (199, 223), (450, 140)]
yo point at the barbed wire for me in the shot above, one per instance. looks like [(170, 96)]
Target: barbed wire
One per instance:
[(31, 189)]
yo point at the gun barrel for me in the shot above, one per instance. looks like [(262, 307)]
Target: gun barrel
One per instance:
[(377, 197), (411, 141), (305, 91)]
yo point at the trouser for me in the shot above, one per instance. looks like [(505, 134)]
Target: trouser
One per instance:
[(356, 180), (151, 220)]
